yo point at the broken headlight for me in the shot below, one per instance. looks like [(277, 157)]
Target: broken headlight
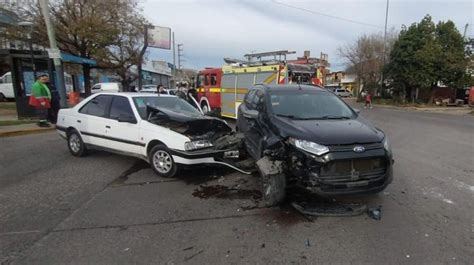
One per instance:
[(310, 147), (386, 145), (195, 145)]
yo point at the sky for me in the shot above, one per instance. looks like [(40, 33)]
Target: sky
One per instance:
[(213, 29)]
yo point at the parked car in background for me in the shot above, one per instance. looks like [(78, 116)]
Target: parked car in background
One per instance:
[(307, 137), (163, 130), (106, 87), (343, 93), (6, 87), (153, 89)]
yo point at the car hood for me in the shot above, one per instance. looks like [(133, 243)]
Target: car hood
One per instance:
[(193, 126), (329, 132)]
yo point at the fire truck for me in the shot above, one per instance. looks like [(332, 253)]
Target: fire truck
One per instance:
[(222, 90)]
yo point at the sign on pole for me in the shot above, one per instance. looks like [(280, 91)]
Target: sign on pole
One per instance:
[(159, 37), (54, 53)]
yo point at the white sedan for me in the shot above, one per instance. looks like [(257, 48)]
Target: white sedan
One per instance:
[(164, 130)]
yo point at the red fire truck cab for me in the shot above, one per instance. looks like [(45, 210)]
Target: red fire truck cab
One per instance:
[(208, 86)]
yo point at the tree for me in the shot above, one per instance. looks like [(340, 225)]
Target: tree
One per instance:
[(108, 31), (365, 57), (424, 55)]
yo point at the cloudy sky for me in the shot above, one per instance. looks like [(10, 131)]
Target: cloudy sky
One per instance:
[(213, 29)]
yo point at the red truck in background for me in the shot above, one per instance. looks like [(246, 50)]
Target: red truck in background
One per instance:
[(208, 87), (471, 97)]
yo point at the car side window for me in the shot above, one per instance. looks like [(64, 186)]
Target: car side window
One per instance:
[(120, 107), (213, 79), (97, 106), (249, 99), (258, 100)]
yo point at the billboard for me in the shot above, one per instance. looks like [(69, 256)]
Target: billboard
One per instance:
[(159, 37)]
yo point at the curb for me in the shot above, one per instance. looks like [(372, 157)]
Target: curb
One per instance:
[(26, 132)]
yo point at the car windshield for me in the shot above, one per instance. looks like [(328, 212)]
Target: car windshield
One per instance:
[(307, 105), (167, 103)]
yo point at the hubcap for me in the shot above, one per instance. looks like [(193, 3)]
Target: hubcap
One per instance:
[(162, 162), (205, 109), (75, 143)]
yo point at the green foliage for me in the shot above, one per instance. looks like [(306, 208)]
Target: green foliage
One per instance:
[(424, 54)]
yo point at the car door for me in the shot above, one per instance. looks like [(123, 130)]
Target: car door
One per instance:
[(122, 128), (253, 118), (91, 120)]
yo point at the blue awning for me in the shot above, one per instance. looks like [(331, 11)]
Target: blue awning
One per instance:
[(69, 58)]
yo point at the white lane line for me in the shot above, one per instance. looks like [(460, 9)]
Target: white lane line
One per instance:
[(19, 232)]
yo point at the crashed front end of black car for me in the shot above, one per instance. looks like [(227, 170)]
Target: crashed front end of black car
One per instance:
[(340, 169)]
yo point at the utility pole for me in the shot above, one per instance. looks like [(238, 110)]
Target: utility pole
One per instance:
[(174, 62), (180, 55), (54, 50), (384, 49), (140, 59)]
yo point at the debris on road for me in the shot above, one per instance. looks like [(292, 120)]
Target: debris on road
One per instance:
[(224, 192), (329, 209), (194, 255), (307, 243), (375, 212)]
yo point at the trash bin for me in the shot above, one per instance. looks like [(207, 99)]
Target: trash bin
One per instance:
[(73, 98)]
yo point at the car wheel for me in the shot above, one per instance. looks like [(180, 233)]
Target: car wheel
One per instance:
[(273, 181), (205, 108), (75, 144), (162, 161)]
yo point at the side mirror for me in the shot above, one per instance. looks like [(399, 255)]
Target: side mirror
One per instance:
[(357, 111), (251, 114), (126, 118)]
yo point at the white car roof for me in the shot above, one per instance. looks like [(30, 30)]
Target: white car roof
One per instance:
[(134, 94)]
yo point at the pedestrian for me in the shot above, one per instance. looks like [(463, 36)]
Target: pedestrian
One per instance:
[(161, 89), (41, 99), (368, 100)]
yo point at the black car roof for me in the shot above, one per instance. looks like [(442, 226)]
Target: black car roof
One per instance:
[(291, 87)]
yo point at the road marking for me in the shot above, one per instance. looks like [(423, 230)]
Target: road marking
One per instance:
[(438, 195), (465, 186), (19, 232)]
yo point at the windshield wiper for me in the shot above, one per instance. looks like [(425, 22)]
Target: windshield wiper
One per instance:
[(330, 117), (290, 117)]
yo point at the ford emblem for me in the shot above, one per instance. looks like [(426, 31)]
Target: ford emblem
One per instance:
[(359, 149)]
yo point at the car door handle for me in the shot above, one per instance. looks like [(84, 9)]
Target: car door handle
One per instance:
[(78, 121), (107, 126)]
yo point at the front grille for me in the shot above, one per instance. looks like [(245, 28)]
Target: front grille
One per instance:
[(353, 170), (350, 147)]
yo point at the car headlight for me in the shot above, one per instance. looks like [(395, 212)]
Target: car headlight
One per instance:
[(310, 147), (195, 145), (386, 144)]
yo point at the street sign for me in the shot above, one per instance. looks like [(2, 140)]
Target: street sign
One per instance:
[(54, 53), (159, 37)]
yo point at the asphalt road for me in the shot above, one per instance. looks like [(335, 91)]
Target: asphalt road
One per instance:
[(110, 209)]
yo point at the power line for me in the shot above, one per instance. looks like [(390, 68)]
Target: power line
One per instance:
[(325, 15)]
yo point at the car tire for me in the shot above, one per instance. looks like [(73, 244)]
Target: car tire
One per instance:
[(273, 181), (75, 144), (205, 108), (162, 161)]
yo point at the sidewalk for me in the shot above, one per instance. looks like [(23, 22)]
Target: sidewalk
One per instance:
[(464, 110), (23, 129)]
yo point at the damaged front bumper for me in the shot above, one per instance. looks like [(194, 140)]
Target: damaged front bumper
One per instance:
[(342, 172), (228, 157)]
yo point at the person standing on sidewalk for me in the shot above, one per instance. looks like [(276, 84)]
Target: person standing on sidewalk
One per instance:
[(368, 100), (41, 99)]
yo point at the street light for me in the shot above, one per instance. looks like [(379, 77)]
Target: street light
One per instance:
[(28, 27)]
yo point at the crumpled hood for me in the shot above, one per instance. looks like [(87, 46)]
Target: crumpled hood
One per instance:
[(193, 126), (329, 132)]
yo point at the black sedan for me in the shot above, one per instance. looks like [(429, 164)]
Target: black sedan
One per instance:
[(308, 137)]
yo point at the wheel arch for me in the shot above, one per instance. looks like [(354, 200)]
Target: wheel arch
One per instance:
[(152, 144)]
